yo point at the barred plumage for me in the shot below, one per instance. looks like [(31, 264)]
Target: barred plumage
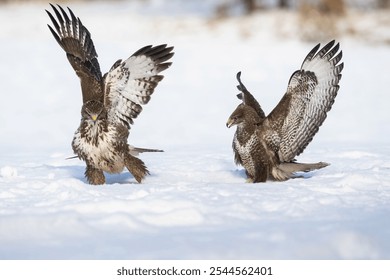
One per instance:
[(292, 124), (110, 102)]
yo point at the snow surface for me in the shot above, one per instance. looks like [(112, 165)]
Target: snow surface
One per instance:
[(195, 204)]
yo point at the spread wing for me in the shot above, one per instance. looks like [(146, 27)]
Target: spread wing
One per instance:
[(130, 84), (310, 95), (76, 41), (247, 98)]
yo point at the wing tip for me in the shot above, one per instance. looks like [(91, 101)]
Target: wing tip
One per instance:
[(330, 53), (151, 50), (238, 76), (331, 46), (240, 85)]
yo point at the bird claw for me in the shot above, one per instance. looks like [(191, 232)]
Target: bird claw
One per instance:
[(249, 180)]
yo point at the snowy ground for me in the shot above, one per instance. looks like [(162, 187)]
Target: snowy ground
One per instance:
[(195, 204)]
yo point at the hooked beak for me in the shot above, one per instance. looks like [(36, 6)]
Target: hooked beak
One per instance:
[(94, 117), (230, 123)]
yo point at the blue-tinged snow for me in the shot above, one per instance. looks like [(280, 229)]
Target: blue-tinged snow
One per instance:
[(195, 204)]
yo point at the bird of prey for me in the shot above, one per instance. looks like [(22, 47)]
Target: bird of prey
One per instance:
[(266, 146), (110, 102)]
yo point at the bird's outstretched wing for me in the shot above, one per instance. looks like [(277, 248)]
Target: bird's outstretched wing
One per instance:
[(310, 95), (130, 84), (247, 98), (76, 41)]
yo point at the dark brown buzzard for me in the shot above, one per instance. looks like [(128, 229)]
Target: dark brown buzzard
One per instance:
[(267, 145), (110, 102)]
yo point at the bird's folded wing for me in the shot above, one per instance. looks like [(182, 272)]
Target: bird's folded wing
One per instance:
[(310, 95), (76, 41), (130, 84)]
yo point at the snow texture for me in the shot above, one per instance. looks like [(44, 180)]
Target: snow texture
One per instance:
[(195, 204)]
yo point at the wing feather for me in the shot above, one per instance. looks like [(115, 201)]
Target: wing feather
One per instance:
[(75, 40), (310, 95), (130, 83), (247, 98)]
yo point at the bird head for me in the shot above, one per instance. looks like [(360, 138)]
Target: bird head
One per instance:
[(237, 116), (243, 114), (93, 110)]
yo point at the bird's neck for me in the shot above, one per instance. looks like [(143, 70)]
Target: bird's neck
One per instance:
[(245, 131)]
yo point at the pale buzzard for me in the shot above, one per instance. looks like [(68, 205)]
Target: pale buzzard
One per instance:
[(110, 102), (267, 145)]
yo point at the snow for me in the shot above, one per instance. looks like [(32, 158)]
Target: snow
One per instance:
[(195, 204)]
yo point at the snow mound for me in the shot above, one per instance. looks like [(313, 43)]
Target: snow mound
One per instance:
[(8, 172)]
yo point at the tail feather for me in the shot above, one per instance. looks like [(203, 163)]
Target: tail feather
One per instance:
[(73, 157), (287, 170), (292, 167), (135, 151)]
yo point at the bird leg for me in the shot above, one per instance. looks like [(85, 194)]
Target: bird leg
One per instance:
[(94, 176), (261, 173), (136, 167), (249, 178)]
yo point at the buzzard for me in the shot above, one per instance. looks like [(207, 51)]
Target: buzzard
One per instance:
[(110, 102), (267, 145)]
